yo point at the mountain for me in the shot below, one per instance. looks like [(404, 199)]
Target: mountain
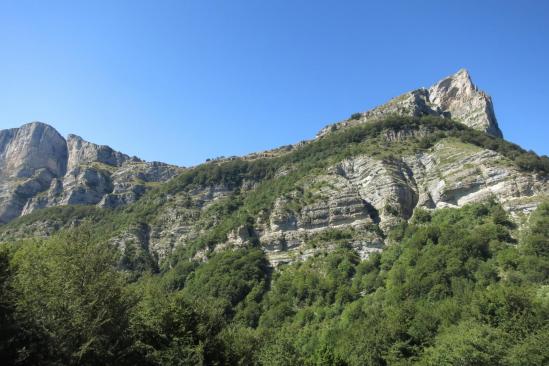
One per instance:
[(430, 148), (411, 234), (41, 169)]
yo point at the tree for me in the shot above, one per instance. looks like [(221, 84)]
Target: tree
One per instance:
[(467, 344), (9, 328), (69, 289)]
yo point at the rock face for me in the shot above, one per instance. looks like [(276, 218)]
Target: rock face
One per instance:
[(30, 158), (453, 97), (39, 168), (84, 152), (34, 146), (364, 193), (361, 198)]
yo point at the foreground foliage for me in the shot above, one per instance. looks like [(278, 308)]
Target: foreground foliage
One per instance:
[(460, 286)]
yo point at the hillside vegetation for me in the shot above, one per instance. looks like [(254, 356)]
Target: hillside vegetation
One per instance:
[(458, 286), (452, 287)]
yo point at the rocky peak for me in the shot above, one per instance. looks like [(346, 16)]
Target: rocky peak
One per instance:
[(39, 168), (31, 147), (464, 102), (453, 97)]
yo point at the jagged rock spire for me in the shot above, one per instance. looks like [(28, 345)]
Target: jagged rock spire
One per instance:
[(458, 96), (82, 151)]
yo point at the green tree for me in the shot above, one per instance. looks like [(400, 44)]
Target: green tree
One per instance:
[(467, 344), (69, 289), (9, 327)]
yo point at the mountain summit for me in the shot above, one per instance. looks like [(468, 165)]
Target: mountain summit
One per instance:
[(465, 103), (454, 97)]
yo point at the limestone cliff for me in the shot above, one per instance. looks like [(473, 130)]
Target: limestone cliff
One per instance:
[(39, 168), (361, 191), (30, 158)]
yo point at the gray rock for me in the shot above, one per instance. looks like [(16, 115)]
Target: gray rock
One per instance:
[(453, 97), (31, 147), (39, 168), (84, 152), (30, 157), (458, 96)]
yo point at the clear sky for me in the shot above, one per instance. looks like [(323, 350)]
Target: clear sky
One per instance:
[(182, 81)]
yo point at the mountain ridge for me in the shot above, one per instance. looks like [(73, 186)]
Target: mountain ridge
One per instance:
[(362, 176), (441, 95), (40, 168)]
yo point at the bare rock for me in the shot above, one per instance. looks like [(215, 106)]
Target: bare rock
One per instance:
[(453, 97), (458, 96), (39, 168)]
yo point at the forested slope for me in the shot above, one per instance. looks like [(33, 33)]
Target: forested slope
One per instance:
[(456, 286)]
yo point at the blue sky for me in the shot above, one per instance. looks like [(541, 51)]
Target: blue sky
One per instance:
[(182, 81)]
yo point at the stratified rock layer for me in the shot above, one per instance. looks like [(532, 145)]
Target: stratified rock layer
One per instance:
[(361, 191)]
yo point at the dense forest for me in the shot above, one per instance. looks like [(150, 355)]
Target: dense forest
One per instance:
[(453, 287)]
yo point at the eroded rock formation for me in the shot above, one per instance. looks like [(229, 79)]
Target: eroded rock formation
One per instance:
[(39, 168)]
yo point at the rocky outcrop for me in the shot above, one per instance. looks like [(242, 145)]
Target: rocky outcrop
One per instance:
[(461, 99), (453, 97), (453, 174), (30, 158), (372, 195), (84, 152), (34, 146), (39, 168)]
